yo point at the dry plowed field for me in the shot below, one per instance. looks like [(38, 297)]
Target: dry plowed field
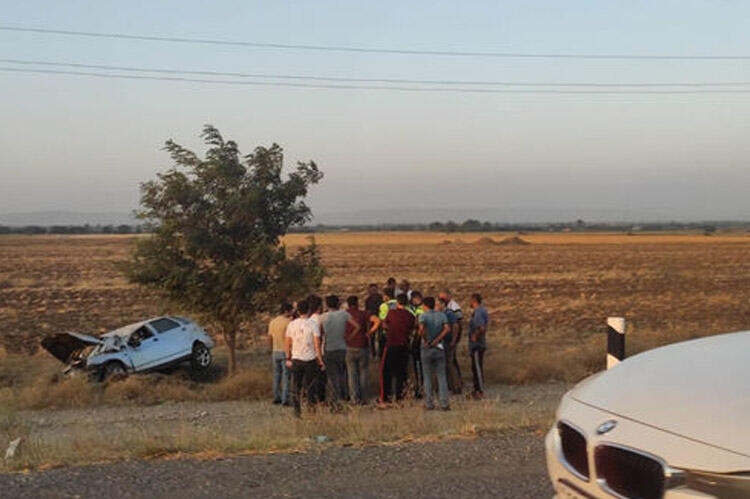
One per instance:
[(547, 297)]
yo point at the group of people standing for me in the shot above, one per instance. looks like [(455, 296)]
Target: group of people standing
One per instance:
[(314, 349)]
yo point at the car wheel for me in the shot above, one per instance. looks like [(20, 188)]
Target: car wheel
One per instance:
[(201, 359), (114, 371)]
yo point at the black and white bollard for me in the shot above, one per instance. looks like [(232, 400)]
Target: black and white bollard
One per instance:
[(615, 340)]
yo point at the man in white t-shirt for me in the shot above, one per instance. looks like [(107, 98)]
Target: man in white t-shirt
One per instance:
[(317, 316), (303, 355)]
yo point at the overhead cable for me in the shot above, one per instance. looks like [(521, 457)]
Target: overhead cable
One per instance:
[(27, 62), (367, 87), (374, 50)]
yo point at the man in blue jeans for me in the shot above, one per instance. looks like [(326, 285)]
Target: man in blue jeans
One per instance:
[(433, 328), (480, 321), (276, 340)]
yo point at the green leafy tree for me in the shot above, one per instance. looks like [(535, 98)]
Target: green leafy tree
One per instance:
[(471, 225), (436, 227), (216, 247)]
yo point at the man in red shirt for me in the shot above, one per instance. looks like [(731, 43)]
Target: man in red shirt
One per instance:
[(357, 343), (398, 325)]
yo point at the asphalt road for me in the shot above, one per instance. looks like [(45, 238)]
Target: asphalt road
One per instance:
[(508, 466)]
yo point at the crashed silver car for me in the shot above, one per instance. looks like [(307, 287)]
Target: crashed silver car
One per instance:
[(149, 345)]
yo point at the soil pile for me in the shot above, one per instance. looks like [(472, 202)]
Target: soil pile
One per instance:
[(486, 241), (513, 241)]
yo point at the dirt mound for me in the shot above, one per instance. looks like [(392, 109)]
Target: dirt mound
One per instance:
[(486, 241), (513, 241)]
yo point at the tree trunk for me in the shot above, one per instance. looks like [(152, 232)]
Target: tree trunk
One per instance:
[(230, 337)]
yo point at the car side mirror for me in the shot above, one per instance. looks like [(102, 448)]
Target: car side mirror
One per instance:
[(134, 342)]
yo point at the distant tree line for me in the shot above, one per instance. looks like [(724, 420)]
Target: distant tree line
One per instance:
[(470, 225), (473, 225), (74, 229)]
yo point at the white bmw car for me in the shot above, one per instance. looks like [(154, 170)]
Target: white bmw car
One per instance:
[(144, 346), (673, 422)]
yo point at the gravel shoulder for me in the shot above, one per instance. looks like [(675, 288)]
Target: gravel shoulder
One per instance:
[(506, 462), (230, 417), (509, 466)]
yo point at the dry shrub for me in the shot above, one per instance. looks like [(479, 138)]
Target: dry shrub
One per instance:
[(248, 384), (542, 362), (14, 370), (76, 391), (150, 389)]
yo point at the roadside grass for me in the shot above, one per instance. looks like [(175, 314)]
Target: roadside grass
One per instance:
[(272, 431), (35, 383)]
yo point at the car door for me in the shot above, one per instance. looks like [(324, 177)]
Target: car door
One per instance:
[(144, 348), (173, 340)]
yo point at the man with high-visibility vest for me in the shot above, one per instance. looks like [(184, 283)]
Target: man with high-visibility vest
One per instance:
[(389, 303), (415, 351)]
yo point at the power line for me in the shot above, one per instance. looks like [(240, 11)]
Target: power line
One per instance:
[(366, 50), (27, 62), (369, 87)]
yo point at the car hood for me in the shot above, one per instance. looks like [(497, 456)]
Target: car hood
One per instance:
[(63, 345), (697, 389), (125, 330)]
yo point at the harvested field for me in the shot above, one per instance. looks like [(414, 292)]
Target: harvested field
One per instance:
[(548, 299)]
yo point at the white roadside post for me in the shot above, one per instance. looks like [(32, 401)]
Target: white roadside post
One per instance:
[(615, 340)]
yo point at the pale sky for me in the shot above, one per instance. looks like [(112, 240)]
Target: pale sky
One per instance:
[(78, 143)]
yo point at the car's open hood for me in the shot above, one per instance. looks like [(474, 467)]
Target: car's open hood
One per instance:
[(63, 345), (698, 389)]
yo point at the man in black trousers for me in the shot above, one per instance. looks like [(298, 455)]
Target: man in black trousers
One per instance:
[(303, 355)]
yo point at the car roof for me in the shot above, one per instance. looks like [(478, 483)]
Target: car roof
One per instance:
[(128, 329)]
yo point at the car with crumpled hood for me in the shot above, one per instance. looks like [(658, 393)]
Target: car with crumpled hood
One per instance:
[(150, 345)]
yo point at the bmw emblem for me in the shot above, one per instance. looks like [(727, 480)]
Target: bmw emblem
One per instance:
[(606, 427)]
